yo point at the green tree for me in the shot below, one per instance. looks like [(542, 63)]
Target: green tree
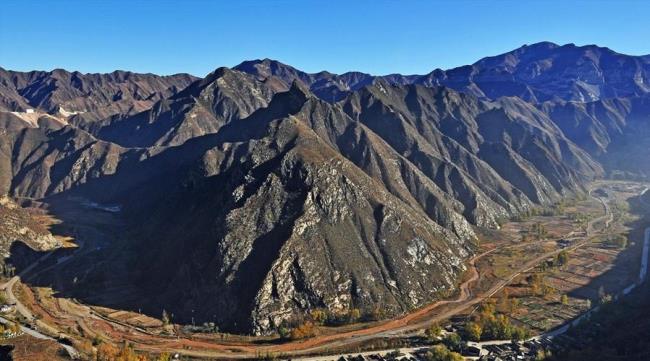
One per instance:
[(354, 315), (284, 332), (519, 334), (318, 316)]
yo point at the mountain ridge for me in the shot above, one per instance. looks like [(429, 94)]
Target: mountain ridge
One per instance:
[(478, 80), (261, 192)]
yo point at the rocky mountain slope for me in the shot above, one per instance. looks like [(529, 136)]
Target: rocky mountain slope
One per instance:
[(18, 225), (258, 193), (389, 211), (201, 108), (615, 131)]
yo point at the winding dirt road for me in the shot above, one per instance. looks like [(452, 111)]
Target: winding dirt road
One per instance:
[(411, 322)]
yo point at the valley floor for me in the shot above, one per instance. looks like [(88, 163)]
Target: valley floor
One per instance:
[(587, 230)]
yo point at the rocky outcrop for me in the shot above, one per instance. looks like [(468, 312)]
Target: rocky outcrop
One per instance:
[(18, 225)]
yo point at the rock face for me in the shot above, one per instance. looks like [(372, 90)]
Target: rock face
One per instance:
[(258, 193)]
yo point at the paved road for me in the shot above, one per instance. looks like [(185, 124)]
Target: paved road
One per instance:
[(71, 350), (8, 286)]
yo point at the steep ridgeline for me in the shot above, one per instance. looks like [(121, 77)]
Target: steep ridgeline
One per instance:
[(493, 157), (202, 108), (535, 73), (93, 96), (46, 157), (615, 131), (325, 85)]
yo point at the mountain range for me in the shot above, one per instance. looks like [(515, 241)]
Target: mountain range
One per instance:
[(260, 192)]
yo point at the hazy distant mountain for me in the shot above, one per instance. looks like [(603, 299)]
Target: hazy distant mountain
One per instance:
[(96, 95), (615, 131), (537, 73), (325, 85), (260, 192)]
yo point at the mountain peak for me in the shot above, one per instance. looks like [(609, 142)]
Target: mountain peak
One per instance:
[(216, 74), (265, 67), (541, 45)]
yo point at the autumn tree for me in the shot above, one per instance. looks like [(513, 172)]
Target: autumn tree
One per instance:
[(318, 316), (562, 258), (15, 328), (107, 352), (473, 331), (442, 353), (305, 330), (164, 357), (433, 332)]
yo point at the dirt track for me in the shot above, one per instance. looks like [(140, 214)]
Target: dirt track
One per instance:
[(408, 323), (417, 319)]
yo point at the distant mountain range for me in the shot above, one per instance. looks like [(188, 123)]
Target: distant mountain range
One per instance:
[(260, 192), (535, 73)]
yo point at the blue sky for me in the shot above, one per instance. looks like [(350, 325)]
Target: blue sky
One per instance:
[(377, 36)]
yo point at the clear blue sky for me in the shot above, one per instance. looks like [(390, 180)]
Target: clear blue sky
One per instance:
[(376, 36)]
